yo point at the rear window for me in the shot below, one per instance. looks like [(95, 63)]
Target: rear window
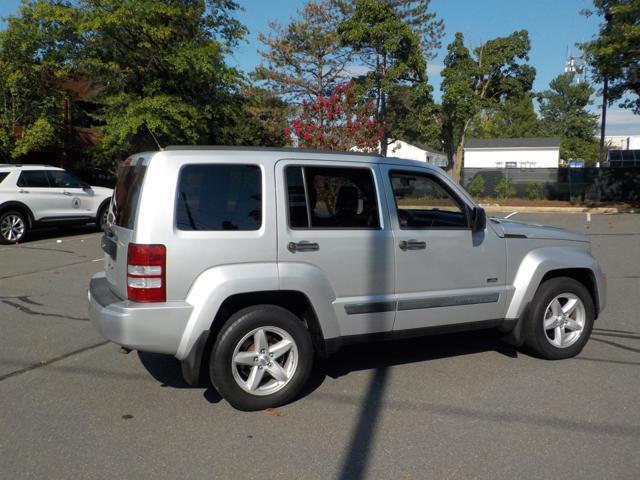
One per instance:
[(3, 175), (219, 197), (126, 195)]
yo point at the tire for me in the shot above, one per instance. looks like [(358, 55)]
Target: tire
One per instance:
[(251, 386), (559, 330), (101, 218), (13, 227)]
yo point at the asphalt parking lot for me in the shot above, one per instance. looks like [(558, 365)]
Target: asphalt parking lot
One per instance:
[(454, 406)]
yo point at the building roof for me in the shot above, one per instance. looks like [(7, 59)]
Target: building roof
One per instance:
[(494, 143)]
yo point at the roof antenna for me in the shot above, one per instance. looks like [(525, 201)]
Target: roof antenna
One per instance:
[(153, 136)]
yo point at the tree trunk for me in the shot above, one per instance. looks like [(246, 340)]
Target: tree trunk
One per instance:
[(384, 141), (456, 170)]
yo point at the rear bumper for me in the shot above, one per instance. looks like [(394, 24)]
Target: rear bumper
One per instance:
[(149, 327)]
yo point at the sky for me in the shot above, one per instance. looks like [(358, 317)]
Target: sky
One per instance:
[(553, 25)]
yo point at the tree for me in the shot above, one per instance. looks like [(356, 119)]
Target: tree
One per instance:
[(615, 52), (564, 113), (512, 118), (424, 23), (32, 68), (160, 67), (480, 80), (391, 50), (304, 60), (341, 121)]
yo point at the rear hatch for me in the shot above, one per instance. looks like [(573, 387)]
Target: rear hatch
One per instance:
[(123, 212)]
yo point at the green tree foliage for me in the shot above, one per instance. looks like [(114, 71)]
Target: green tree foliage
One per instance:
[(476, 186), (305, 59), (423, 22), (32, 67), (392, 52), (512, 118), (564, 113), (473, 82), (615, 52), (505, 189), (534, 190), (160, 66)]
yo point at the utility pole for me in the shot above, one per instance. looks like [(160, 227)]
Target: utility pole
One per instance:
[(603, 119)]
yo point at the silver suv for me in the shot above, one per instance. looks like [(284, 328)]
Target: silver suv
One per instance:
[(42, 195), (246, 264)]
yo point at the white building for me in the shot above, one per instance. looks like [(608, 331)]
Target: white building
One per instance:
[(622, 142), (512, 152), (417, 151)]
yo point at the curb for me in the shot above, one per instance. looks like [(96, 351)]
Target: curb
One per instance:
[(493, 207)]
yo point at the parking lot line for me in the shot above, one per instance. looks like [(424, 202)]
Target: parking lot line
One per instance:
[(511, 214)]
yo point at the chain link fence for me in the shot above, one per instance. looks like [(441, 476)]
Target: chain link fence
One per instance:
[(569, 184)]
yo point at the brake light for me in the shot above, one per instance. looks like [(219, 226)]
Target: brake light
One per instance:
[(146, 273)]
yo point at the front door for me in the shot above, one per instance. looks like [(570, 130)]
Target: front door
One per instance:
[(333, 231), (445, 273)]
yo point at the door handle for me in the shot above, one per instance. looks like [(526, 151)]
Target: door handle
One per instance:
[(303, 246), (22, 190), (412, 245), (67, 193)]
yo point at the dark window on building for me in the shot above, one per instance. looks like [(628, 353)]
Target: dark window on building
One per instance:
[(422, 203), (219, 197), (60, 179), (337, 198), (33, 179)]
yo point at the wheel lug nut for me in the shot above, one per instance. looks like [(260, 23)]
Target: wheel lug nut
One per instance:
[(262, 351), (259, 367), (255, 359), (271, 355)]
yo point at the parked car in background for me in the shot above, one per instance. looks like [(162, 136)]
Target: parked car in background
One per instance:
[(33, 196), (250, 263)]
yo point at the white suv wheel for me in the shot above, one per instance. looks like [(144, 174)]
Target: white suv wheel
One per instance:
[(12, 227)]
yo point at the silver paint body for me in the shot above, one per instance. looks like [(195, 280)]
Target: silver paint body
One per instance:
[(445, 284)]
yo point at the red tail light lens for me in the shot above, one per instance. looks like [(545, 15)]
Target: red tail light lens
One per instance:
[(146, 273)]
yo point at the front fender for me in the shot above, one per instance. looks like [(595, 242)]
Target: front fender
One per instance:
[(214, 286), (537, 263)]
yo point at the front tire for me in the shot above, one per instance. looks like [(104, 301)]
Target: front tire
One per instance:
[(560, 319), (13, 227), (262, 358)]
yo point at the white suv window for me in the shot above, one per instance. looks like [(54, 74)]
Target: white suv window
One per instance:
[(60, 179), (33, 179)]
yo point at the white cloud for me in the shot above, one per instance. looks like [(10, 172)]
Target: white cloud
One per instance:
[(622, 122)]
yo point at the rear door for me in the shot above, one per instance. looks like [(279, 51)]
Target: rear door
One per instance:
[(35, 191), (330, 218), (445, 273)]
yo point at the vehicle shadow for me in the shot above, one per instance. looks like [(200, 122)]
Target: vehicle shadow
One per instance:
[(56, 233), (165, 369)]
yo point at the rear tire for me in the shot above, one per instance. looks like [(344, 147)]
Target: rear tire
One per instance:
[(13, 227), (560, 319), (262, 358), (101, 218)]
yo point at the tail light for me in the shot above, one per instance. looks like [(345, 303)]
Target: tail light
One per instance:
[(146, 273)]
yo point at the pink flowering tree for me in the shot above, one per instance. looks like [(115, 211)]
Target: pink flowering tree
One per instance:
[(340, 121)]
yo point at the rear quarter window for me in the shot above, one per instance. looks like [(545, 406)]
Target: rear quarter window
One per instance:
[(3, 175), (219, 197)]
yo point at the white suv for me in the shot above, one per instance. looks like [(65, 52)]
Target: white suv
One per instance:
[(41, 195)]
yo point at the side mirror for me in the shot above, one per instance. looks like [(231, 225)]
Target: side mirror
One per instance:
[(478, 219)]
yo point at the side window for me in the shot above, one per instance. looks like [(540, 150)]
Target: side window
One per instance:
[(423, 202), (219, 197), (60, 179), (33, 179), (334, 197), (3, 175)]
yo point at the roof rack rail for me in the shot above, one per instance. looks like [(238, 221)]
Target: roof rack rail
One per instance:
[(264, 149)]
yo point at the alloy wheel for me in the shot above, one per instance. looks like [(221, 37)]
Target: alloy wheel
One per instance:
[(12, 228), (564, 320)]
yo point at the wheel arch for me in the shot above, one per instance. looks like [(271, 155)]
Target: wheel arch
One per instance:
[(549, 262), (21, 207)]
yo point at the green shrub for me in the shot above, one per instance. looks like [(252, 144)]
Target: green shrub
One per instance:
[(505, 189), (534, 191), (476, 186)]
